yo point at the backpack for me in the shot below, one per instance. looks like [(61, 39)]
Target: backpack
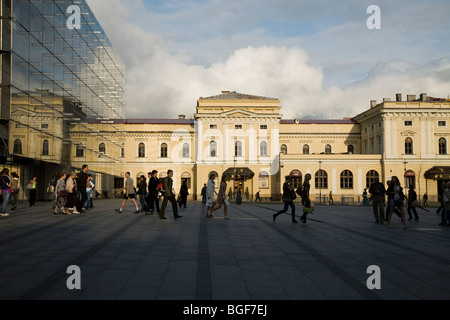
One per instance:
[(160, 188)]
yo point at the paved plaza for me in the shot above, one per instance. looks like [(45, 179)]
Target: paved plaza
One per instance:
[(247, 257)]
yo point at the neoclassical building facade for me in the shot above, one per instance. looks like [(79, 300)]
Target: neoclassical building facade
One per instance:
[(246, 137)]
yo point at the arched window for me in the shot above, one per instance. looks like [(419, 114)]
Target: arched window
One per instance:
[(263, 180), (45, 148), (442, 146), (346, 179), (141, 150), (370, 177), (306, 149), (79, 152), (162, 175), (17, 147), (351, 149), (296, 176), (263, 149), (164, 150), (213, 149), (284, 149), (102, 148), (216, 179), (408, 146), (410, 178), (186, 177), (186, 153), (238, 149), (321, 179), (327, 149)]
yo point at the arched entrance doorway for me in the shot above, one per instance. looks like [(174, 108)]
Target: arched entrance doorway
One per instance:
[(297, 177)]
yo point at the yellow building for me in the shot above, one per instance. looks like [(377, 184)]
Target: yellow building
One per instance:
[(246, 137)]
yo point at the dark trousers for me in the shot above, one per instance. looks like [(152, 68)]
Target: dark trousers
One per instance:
[(413, 209), (164, 205), (153, 201), (183, 201), (33, 193), (84, 197), (287, 204)]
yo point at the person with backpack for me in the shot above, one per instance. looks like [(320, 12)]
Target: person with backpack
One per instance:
[(395, 191), (152, 196), (288, 200), (306, 201)]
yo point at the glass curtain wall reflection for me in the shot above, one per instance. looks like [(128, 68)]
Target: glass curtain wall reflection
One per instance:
[(60, 81)]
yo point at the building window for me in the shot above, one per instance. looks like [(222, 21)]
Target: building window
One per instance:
[(410, 178), (79, 152), (296, 176), (216, 179), (238, 149), (442, 146), (351, 149), (263, 149), (102, 148), (45, 148), (186, 177), (213, 149), (346, 179), (186, 153), (238, 127), (305, 149), (17, 147), (408, 146), (370, 177), (284, 149), (327, 149), (213, 127), (141, 150), (44, 126), (263, 127), (164, 150), (122, 152), (408, 123), (263, 180), (118, 183), (442, 123), (321, 179)]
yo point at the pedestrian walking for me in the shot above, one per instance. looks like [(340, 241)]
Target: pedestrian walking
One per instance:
[(257, 197), (51, 190), (210, 191), (203, 194), (142, 192), (15, 188), (378, 193), (221, 197), (60, 194), (365, 198), (239, 196), (184, 192), (152, 197), (5, 187), (128, 193), (72, 194), (90, 191), (425, 199), (306, 201), (330, 198), (288, 200), (412, 203), (396, 191), (32, 187), (445, 212), (390, 203), (82, 184), (169, 195)]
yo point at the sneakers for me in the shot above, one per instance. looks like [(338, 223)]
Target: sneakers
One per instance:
[(118, 210), (4, 214)]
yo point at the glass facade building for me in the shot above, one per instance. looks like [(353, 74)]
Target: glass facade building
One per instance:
[(54, 76)]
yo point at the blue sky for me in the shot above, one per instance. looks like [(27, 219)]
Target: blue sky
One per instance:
[(318, 57)]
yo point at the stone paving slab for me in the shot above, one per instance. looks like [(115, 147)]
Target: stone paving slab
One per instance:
[(248, 257)]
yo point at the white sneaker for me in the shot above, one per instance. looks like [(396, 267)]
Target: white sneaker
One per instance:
[(4, 214)]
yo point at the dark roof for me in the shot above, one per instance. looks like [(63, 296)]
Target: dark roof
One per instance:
[(233, 95), (143, 121), (319, 121)]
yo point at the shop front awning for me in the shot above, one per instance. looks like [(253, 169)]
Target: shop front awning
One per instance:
[(438, 173), (244, 173)]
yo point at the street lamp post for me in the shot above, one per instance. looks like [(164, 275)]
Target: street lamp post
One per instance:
[(320, 182)]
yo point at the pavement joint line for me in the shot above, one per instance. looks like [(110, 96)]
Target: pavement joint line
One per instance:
[(50, 281), (385, 240), (204, 286), (338, 271)]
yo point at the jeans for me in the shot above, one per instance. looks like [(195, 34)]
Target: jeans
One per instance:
[(287, 204), (83, 199), (143, 203), (5, 195)]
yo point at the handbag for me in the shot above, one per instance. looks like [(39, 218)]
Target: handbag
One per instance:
[(63, 193), (10, 189)]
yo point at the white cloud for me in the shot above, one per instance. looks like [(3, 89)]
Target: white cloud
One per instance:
[(164, 80)]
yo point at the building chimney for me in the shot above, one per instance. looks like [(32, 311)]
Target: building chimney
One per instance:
[(411, 97), (181, 116), (373, 103), (423, 97), (386, 99), (398, 97)]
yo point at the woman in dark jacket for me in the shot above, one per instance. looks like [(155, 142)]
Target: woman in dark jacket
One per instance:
[(288, 199), (183, 195), (412, 203)]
